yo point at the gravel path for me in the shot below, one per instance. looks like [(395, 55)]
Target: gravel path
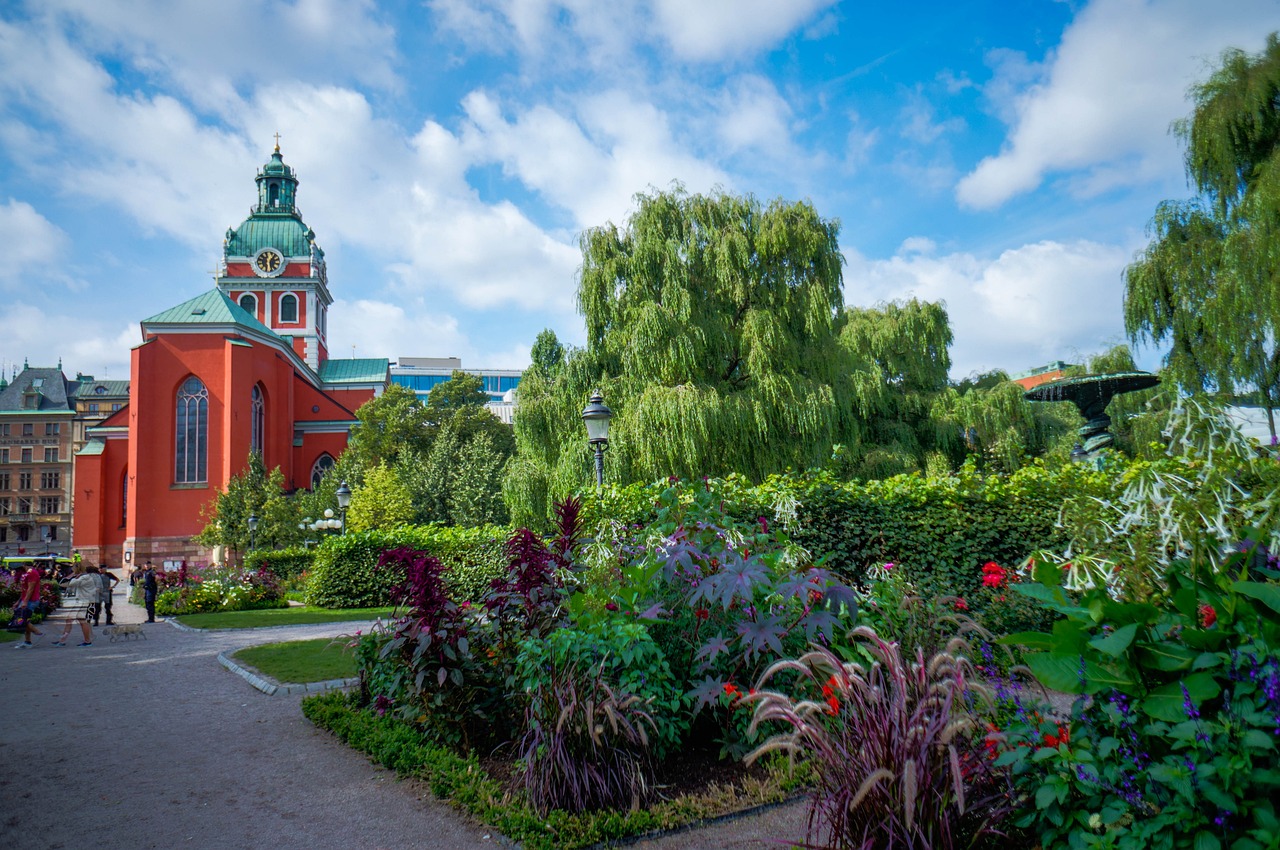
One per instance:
[(152, 744)]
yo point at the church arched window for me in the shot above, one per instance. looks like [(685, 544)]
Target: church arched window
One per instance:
[(191, 446), (289, 308), (249, 304), (257, 419), (323, 464)]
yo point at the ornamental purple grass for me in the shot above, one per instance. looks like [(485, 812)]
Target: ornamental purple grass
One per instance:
[(898, 757)]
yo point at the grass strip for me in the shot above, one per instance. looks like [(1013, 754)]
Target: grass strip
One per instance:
[(281, 617), (464, 783), (301, 661)]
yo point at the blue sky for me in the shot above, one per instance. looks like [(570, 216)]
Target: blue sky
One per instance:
[(1004, 157)]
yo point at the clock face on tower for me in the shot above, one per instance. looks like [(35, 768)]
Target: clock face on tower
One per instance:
[(268, 263)]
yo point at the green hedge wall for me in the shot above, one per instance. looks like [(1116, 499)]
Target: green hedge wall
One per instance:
[(940, 530), (344, 573)]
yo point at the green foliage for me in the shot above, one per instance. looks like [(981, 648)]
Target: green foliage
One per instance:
[(476, 495), (282, 563), (547, 354), (254, 492), (712, 327), (899, 360), (940, 530), (345, 573), (381, 502), (1208, 283), (627, 658), (389, 424)]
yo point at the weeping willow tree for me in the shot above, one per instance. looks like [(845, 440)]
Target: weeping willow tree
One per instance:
[(1208, 284), (899, 362), (712, 331)]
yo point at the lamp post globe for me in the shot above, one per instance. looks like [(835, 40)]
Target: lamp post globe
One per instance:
[(596, 417), (253, 529), (343, 495)]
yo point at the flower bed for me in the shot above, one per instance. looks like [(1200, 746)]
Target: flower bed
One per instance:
[(217, 589)]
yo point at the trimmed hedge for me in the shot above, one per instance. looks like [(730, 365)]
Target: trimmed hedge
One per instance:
[(345, 571), (940, 530), (282, 563)]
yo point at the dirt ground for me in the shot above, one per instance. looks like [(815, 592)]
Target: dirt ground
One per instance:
[(152, 744)]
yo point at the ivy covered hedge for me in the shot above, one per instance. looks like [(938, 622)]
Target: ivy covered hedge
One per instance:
[(940, 530), (345, 574)]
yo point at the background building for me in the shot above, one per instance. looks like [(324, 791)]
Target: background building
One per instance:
[(36, 417), (421, 374)]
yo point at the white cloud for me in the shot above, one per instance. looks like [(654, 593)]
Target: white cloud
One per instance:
[(714, 30), (1100, 107), (754, 117), (99, 348), (593, 164), (373, 328), (1032, 304), (35, 248)]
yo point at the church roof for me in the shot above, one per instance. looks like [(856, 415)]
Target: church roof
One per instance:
[(363, 370), (210, 308), (286, 233)]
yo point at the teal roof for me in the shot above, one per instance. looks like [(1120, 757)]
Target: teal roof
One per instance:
[(93, 447), (364, 370), (211, 308), (87, 388), (285, 232)]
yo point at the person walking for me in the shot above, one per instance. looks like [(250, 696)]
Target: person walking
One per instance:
[(109, 582), (150, 587), (84, 586), (28, 604)]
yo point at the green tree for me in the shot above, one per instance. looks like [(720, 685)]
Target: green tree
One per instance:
[(899, 364), (712, 330), (547, 355), (387, 425), (461, 392), (254, 492), (475, 493), (1208, 284), (382, 501)]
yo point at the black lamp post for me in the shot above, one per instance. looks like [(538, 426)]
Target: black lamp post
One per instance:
[(253, 529), (596, 417), (344, 501)]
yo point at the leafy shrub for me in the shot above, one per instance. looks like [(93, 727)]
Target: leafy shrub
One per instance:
[(896, 750), (1173, 632), (345, 575), (721, 597)]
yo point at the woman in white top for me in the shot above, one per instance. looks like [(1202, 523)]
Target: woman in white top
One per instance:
[(84, 584)]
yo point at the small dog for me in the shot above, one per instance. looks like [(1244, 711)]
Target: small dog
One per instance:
[(124, 631)]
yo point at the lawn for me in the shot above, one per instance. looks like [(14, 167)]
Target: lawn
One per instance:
[(301, 661), (281, 617), (6, 637)]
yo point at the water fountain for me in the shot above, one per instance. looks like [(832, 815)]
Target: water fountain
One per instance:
[(1091, 395)]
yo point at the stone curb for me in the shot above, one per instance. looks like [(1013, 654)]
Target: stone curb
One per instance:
[(184, 628), (272, 688)]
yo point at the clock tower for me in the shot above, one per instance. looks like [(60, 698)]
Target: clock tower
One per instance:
[(272, 267)]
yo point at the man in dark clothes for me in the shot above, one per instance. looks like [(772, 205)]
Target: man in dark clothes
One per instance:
[(109, 582), (149, 589)]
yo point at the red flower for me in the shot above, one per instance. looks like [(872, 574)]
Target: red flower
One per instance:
[(994, 575), (1208, 616), (833, 705), (764, 524), (960, 605), (731, 689), (702, 613), (1063, 737), (610, 606)]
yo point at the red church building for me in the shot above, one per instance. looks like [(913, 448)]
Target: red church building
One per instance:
[(241, 368)]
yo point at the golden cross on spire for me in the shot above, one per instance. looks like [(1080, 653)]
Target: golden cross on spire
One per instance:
[(277, 142)]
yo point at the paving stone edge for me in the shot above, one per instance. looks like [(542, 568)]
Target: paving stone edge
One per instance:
[(272, 688)]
